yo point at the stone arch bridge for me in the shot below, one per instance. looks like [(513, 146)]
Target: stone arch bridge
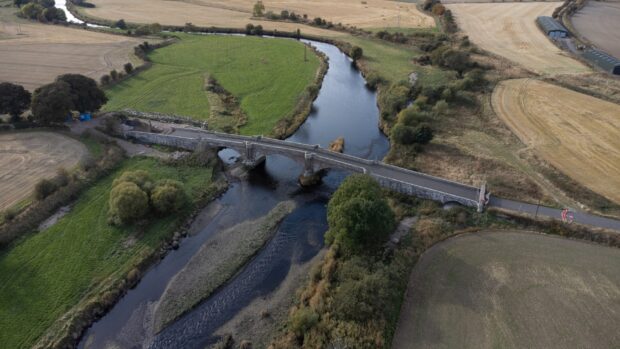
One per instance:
[(254, 151)]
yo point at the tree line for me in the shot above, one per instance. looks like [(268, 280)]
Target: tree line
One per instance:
[(54, 102), (40, 10)]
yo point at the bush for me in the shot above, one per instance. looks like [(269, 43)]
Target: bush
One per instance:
[(423, 134), (361, 299), (44, 188), (356, 53), (127, 203), (441, 107), (113, 75), (303, 320), (140, 178), (402, 134), (128, 68), (373, 80), (120, 24), (439, 9), (358, 215), (412, 116), (105, 80), (168, 196), (395, 98), (466, 98)]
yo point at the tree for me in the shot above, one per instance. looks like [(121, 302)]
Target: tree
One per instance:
[(53, 14), (168, 196), (52, 103), (403, 134), (284, 15), (249, 28), (128, 68), (113, 75), (127, 203), (120, 24), (356, 53), (423, 134), (358, 215), (259, 9), (140, 178), (105, 80), (44, 188), (14, 99), (87, 96), (32, 10)]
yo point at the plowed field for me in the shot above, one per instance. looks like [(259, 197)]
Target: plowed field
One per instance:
[(34, 54), (576, 133), (509, 30), (27, 157)]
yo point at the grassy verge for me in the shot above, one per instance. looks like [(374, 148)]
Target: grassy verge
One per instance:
[(216, 262), (47, 280), (266, 76)]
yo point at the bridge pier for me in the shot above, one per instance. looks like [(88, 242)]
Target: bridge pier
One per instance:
[(251, 159), (311, 175)]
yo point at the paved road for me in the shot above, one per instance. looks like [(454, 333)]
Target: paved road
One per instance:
[(378, 169)]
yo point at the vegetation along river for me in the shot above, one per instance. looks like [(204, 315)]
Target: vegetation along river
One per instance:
[(345, 108)]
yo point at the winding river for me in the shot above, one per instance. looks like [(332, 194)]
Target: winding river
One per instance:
[(345, 108)]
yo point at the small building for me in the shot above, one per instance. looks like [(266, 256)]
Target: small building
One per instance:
[(552, 27), (603, 60)]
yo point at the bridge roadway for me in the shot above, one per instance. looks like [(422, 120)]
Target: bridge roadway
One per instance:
[(315, 158)]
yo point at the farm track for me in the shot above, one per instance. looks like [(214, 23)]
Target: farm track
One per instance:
[(28, 157), (576, 133), (509, 30)]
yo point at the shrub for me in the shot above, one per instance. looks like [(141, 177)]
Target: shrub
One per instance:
[(62, 178), (128, 68), (439, 9), (114, 75), (441, 107), (168, 196), (127, 203), (402, 134), (466, 98), (105, 80), (44, 188), (361, 299), (412, 116), (373, 80), (249, 28), (395, 98), (423, 134), (356, 53), (120, 24), (140, 178), (303, 320)]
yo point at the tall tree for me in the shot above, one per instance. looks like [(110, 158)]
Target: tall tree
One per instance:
[(86, 95), (52, 102), (14, 99)]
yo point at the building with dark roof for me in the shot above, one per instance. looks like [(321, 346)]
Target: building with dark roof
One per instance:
[(552, 27), (603, 60)]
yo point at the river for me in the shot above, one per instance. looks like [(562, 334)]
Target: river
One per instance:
[(345, 108)]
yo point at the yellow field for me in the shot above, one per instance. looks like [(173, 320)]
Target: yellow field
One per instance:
[(34, 54), (576, 133), (27, 157), (509, 30), (238, 13)]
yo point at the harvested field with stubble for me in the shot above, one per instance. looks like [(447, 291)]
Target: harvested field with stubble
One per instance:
[(237, 13), (599, 23), (576, 133), (27, 157), (512, 290), (33, 54), (509, 30)]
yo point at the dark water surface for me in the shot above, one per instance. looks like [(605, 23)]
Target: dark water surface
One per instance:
[(344, 108)]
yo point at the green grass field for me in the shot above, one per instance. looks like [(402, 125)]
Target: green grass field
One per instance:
[(267, 76), (45, 275), (394, 62)]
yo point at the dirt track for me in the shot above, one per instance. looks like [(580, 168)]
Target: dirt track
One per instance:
[(34, 54), (27, 157), (599, 23), (576, 133), (512, 290), (509, 30), (238, 13)]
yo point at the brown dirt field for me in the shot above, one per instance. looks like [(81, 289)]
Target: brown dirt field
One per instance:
[(34, 54), (509, 30), (599, 23), (576, 133), (512, 290), (27, 157), (238, 13)]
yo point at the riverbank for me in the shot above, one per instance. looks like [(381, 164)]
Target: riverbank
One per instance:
[(216, 263)]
